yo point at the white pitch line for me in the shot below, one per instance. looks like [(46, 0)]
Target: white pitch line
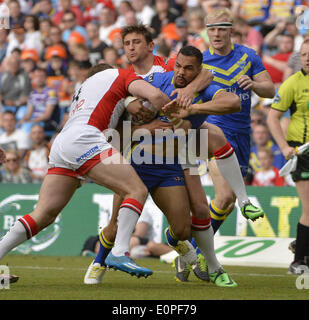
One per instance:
[(158, 271)]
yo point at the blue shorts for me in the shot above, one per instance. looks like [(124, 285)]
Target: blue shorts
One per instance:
[(160, 175), (241, 144)]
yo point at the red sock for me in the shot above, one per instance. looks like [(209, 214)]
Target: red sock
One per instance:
[(132, 204), (200, 224), (30, 225), (224, 152)]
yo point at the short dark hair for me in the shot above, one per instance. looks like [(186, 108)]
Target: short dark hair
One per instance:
[(139, 29), (9, 112), (190, 51), (98, 68)]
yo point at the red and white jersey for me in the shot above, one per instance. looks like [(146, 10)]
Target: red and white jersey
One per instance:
[(95, 101), (159, 65)]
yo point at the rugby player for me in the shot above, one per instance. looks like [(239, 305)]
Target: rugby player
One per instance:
[(237, 69), (81, 149)]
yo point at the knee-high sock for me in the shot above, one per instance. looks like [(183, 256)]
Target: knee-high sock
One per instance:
[(105, 248), (217, 216), (229, 168), (130, 211), (22, 230), (204, 237)]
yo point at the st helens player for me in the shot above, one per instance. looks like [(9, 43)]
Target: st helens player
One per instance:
[(81, 149)]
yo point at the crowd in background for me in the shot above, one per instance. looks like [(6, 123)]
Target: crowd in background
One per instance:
[(49, 46)]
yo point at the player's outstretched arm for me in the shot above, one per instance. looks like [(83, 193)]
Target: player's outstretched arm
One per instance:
[(222, 103), (144, 90)]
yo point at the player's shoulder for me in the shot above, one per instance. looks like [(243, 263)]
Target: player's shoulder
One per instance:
[(160, 61), (244, 49), (160, 76)]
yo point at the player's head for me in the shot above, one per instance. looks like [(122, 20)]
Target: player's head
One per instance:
[(219, 28), (98, 68), (304, 55), (137, 43), (187, 66)]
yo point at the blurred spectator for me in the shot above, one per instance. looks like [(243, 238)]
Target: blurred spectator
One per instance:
[(15, 88), (45, 27), (185, 38), (257, 117), (107, 23), (208, 5), (64, 6), (251, 37), (286, 26), (43, 9), (17, 39), (57, 68), (262, 139), (12, 171), (3, 43), (130, 18), (91, 10), (276, 64), (268, 175), (29, 59), (111, 57), (96, 46), (16, 16), (196, 22), (68, 85), (81, 52), (144, 12), (163, 16), (33, 35), (280, 10), (294, 63), (70, 25), (123, 8), (56, 39), (13, 138), (42, 105), (36, 159), (237, 37), (75, 40), (253, 11)]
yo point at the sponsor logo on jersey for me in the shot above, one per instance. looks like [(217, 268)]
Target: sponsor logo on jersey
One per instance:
[(87, 154)]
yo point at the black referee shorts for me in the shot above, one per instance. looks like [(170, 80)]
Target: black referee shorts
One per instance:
[(302, 168)]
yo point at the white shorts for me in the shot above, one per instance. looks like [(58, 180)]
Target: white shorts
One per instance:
[(77, 149)]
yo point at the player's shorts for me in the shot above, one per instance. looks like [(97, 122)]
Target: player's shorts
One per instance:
[(302, 168), (77, 149), (160, 175), (241, 144)]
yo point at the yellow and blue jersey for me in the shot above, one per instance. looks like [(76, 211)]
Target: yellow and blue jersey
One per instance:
[(165, 82), (163, 170), (227, 70)]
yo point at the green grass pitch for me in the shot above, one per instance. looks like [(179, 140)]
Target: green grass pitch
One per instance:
[(61, 278)]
